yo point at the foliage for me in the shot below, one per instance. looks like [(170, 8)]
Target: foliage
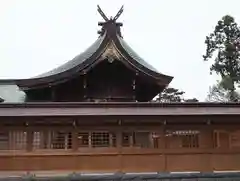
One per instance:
[(170, 95), (173, 95), (217, 93), (224, 43), (191, 100)]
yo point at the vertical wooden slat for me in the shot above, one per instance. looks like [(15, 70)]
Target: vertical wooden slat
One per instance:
[(46, 140), (110, 139), (162, 138), (151, 140), (90, 139), (10, 140), (118, 138), (29, 139), (75, 139), (131, 139)]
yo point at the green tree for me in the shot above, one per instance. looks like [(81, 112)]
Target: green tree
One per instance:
[(218, 93), (223, 47), (173, 95)]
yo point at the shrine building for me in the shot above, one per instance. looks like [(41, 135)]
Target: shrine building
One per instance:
[(95, 114)]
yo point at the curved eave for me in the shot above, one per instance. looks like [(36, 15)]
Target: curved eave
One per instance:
[(139, 63), (76, 66), (69, 69)]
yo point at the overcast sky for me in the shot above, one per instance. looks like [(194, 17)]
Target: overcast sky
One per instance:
[(38, 35)]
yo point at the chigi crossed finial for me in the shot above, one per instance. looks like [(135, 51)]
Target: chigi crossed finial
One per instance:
[(110, 23), (106, 18)]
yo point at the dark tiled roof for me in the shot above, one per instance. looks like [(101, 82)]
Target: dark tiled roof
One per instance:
[(135, 56), (79, 59), (86, 59)]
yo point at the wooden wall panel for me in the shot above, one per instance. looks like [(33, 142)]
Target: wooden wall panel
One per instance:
[(170, 156), (59, 162), (125, 163), (188, 162), (143, 163), (226, 161), (98, 163)]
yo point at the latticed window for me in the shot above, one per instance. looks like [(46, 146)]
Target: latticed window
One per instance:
[(141, 139), (61, 140), (17, 140), (155, 138), (52, 140), (103, 139), (100, 139), (221, 139), (190, 140), (226, 138), (83, 139), (97, 139), (235, 139), (41, 140), (4, 140), (37, 138), (127, 139), (183, 138), (13, 140), (137, 139)]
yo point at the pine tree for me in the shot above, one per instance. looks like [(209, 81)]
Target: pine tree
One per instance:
[(223, 47)]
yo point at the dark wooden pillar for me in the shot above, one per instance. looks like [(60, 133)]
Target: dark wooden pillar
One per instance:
[(30, 133), (75, 137), (206, 137), (163, 144), (206, 141), (46, 142), (161, 136), (90, 139), (119, 145)]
